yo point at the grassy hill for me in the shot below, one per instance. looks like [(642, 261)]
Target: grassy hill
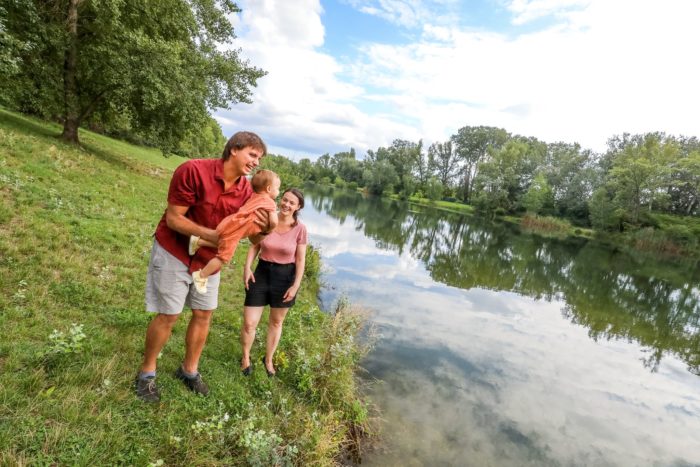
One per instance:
[(76, 227)]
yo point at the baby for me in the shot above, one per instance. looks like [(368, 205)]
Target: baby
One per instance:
[(266, 185)]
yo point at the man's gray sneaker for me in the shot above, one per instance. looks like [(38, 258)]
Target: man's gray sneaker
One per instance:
[(194, 384), (146, 389)]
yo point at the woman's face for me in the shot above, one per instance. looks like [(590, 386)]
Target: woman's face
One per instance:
[(289, 204)]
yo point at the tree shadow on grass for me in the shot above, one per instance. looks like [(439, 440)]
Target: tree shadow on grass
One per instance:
[(25, 124), (46, 129), (117, 160)]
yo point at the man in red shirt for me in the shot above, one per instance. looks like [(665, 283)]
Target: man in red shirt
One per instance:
[(202, 192)]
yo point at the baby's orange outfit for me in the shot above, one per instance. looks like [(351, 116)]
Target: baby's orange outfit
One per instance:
[(241, 224)]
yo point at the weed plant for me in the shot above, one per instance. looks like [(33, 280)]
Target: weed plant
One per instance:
[(546, 225), (76, 227), (675, 241)]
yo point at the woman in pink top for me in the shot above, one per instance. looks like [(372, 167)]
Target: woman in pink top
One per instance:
[(276, 279)]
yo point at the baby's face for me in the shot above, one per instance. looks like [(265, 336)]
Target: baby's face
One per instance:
[(275, 188)]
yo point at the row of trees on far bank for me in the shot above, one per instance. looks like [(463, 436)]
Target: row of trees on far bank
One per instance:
[(502, 173), (149, 72)]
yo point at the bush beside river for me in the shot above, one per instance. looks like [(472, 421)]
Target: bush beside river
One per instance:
[(77, 226)]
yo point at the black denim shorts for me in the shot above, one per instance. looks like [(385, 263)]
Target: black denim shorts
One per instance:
[(271, 283)]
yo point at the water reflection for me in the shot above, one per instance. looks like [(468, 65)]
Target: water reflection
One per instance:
[(505, 349), (613, 294)]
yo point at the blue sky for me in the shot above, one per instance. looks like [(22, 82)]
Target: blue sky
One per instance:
[(361, 73)]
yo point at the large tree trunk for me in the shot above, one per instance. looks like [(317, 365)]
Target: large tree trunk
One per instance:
[(71, 119)]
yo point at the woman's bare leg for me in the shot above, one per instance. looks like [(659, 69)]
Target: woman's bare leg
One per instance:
[(251, 318), (274, 332)]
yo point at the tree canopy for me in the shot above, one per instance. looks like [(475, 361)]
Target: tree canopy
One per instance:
[(622, 189), (153, 70)]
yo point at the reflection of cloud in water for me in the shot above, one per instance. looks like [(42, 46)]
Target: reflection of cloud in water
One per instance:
[(478, 377), (498, 397), (449, 416), (336, 239), (511, 379)]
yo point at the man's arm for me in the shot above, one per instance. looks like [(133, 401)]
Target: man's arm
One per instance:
[(272, 219), (264, 221), (176, 220)]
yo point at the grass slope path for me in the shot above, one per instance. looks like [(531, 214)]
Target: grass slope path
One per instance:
[(76, 227)]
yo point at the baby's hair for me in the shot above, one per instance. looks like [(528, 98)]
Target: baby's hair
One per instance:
[(262, 179)]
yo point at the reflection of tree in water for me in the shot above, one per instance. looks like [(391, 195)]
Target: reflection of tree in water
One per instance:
[(613, 294)]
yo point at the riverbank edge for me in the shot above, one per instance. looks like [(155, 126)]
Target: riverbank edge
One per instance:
[(634, 242), (77, 227)]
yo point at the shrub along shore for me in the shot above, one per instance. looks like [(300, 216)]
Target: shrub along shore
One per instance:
[(77, 226)]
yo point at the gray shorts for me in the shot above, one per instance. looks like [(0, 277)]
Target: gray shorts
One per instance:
[(169, 286)]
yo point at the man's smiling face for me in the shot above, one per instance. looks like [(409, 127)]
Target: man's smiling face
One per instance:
[(246, 160)]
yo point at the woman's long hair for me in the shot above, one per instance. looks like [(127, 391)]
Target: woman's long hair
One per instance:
[(300, 197)]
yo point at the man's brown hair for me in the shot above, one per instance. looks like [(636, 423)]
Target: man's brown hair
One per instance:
[(243, 139)]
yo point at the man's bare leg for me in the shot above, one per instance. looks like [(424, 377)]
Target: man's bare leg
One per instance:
[(196, 337), (157, 334)]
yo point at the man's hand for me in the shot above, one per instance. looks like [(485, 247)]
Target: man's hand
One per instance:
[(273, 220), (210, 235), (176, 220), (263, 221)]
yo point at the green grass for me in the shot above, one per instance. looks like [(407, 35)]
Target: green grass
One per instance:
[(669, 221), (459, 208), (76, 227)]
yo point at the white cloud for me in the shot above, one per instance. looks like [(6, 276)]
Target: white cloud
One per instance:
[(600, 74), (409, 13), (400, 12), (601, 68), (528, 10), (302, 107)]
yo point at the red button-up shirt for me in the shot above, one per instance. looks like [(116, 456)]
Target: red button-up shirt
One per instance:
[(199, 184)]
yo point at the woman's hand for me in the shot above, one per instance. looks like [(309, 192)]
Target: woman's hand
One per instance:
[(290, 293), (247, 277)]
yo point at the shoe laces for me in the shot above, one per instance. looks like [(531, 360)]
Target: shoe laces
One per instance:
[(151, 385)]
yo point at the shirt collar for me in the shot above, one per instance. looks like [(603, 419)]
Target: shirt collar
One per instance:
[(219, 175), (219, 170)]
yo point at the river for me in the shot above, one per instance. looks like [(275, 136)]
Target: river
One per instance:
[(503, 348)]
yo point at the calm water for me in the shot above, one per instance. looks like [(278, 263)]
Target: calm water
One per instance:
[(507, 349)]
